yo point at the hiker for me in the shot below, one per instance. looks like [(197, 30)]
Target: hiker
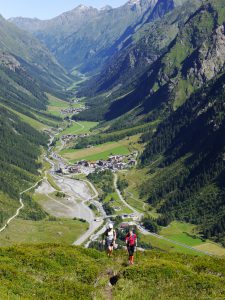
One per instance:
[(109, 239), (131, 242)]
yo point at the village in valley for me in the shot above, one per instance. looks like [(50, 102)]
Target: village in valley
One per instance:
[(113, 163), (71, 110)]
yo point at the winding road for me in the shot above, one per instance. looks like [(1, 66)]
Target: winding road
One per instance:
[(80, 195), (138, 214)]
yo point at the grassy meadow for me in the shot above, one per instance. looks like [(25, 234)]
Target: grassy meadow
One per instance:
[(114, 201), (55, 105), (79, 128), (97, 152), (60, 231)]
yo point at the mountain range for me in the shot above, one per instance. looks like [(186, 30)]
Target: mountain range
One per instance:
[(85, 37), (153, 63)]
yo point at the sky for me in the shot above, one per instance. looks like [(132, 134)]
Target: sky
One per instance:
[(46, 9)]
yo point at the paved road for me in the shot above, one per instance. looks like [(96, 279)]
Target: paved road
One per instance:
[(139, 215), (95, 236)]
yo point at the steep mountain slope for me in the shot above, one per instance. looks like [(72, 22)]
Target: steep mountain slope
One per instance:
[(124, 83), (85, 36), (192, 141), (19, 151), (184, 91), (191, 60), (20, 92), (34, 56), (27, 71), (57, 272), (141, 49)]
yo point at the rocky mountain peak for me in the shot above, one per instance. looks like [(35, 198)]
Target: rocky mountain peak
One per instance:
[(106, 8), (82, 7)]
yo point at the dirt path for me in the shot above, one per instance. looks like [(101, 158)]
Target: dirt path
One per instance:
[(21, 205)]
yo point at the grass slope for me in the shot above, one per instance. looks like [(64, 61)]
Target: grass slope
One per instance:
[(63, 272), (182, 232), (61, 231)]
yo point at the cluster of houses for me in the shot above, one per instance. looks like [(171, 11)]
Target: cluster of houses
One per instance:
[(114, 163), (126, 225), (68, 137), (72, 110)]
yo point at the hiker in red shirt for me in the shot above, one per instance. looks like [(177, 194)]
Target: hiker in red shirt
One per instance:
[(131, 242)]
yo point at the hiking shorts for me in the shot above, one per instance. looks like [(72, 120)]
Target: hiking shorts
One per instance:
[(131, 250), (109, 243)]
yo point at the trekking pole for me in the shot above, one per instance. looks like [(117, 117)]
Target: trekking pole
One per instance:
[(136, 252)]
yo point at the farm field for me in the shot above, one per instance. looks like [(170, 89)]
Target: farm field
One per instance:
[(166, 246), (183, 233), (212, 248), (79, 128), (56, 105), (178, 232), (60, 231), (98, 152)]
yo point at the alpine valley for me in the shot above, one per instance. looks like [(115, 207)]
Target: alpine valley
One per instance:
[(113, 115)]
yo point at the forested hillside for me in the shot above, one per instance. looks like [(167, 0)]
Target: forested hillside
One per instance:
[(19, 152), (192, 138), (27, 72)]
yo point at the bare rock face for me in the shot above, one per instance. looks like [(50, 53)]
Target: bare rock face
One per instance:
[(199, 67), (214, 61), (8, 61), (210, 59)]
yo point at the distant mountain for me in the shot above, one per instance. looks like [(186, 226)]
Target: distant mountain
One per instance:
[(194, 57), (141, 49), (123, 83), (33, 55), (85, 37), (27, 70)]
